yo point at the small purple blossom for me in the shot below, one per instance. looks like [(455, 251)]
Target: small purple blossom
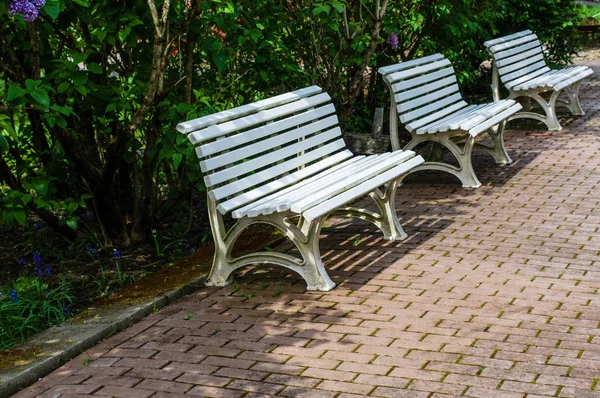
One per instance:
[(66, 311), (14, 295), (38, 3), (22, 261), (29, 12), (16, 6), (117, 254), (37, 226), (392, 40), (92, 251), (27, 8)]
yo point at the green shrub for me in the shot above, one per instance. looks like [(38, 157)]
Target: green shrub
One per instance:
[(29, 307)]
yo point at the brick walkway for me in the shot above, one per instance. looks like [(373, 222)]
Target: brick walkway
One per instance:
[(494, 294)]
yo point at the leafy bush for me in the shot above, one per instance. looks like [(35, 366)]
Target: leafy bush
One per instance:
[(29, 307)]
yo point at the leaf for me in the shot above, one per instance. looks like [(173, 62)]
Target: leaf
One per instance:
[(72, 207), (72, 222), (80, 78), (26, 198), (15, 92), (64, 86), (52, 8), (95, 68), (40, 186), (110, 107), (41, 97), (220, 60), (32, 84), (3, 142), (20, 216), (177, 159), (123, 33), (82, 3)]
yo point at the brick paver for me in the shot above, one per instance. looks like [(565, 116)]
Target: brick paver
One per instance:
[(494, 294)]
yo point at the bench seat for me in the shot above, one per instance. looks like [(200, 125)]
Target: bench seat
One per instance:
[(426, 99), (519, 64), (282, 161)]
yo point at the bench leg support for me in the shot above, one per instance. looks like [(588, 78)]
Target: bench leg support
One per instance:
[(462, 153), (386, 219), (549, 108), (497, 149), (305, 237), (573, 103)]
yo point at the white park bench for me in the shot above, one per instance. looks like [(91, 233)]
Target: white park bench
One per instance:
[(518, 61), (282, 161), (426, 99)]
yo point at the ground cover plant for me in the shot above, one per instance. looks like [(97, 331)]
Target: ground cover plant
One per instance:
[(90, 92)]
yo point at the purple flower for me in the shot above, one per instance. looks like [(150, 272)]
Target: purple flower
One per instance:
[(92, 251), (29, 12), (14, 295), (38, 3), (117, 254), (37, 226), (16, 6), (37, 258), (392, 40), (66, 311), (22, 261)]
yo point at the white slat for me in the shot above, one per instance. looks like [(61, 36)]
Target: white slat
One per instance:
[(516, 50), (270, 158), (386, 70), (348, 173), (255, 208), (436, 95), (523, 64), (488, 111), (579, 76), (236, 140), (407, 117), (525, 71), (495, 120), (263, 116), (505, 39), (519, 57), (417, 81), (435, 116), (256, 194), (533, 75), (331, 190), (428, 88), (278, 169), (267, 144), (419, 70), (336, 202), (512, 43), (445, 123), (220, 117)]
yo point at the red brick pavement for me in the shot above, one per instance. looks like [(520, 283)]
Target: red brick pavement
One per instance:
[(494, 294)]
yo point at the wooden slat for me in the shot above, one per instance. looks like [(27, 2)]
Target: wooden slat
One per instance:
[(270, 158), (263, 116), (267, 144), (236, 140), (448, 101), (425, 99), (336, 202), (419, 70), (220, 117), (386, 70), (417, 81), (504, 39), (289, 183)]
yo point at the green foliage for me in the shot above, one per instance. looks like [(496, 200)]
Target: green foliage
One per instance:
[(29, 307), (554, 22)]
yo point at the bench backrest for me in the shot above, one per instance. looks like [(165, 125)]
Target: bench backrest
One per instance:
[(424, 90), (518, 57), (256, 149)]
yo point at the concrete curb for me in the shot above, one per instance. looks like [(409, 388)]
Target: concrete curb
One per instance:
[(61, 343)]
